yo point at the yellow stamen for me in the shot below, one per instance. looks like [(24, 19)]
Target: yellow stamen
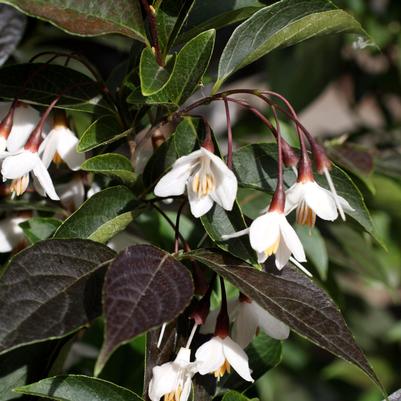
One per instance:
[(225, 368), (174, 395), (19, 185), (273, 247), (57, 159), (305, 215), (203, 184)]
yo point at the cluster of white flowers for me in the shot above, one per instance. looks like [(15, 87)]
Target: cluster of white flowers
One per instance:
[(207, 179), (173, 380), (26, 148)]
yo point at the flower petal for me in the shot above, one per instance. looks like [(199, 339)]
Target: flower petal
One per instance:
[(186, 389), (291, 240), (67, 149), (164, 381), (45, 180), (237, 358), (209, 356), (272, 326), (245, 325), (226, 182), (173, 183), (282, 255), (293, 197), (320, 201), (25, 120), (48, 147), (199, 205), (10, 233), (264, 231), (18, 165)]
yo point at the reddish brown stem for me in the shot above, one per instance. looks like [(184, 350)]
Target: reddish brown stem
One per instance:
[(229, 135)]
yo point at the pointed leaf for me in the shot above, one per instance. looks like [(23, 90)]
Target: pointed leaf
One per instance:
[(102, 131), (76, 387), (112, 164), (39, 228), (284, 23), (294, 299), (44, 82), (50, 290), (234, 396), (88, 18), (102, 216), (191, 63), (144, 287)]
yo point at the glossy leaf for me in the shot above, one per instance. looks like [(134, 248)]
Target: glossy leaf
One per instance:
[(144, 287), (102, 216), (102, 131), (190, 65), (294, 299), (284, 23), (39, 228), (111, 164), (208, 14), (44, 82), (50, 290), (256, 167), (218, 222), (24, 365), (76, 387), (12, 27), (88, 18), (171, 16)]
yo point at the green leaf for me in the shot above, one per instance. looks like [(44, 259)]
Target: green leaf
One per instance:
[(88, 18), (256, 167), (218, 222), (191, 63), (315, 248), (208, 14), (284, 23), (44, 82), (78, 388), (102, 216), (50, 290), (25, 364), (234, 396), (152, 75), (102, 131), (294, 299), (112, 164), (171, 16), (264, 353), (39, 228), (144, 287)]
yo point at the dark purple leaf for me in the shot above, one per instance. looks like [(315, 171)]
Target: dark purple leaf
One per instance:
[(293, 298), (144, 288), (51, 289)]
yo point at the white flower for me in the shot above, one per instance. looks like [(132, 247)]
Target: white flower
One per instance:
[(250, 317), (60, 145), (173, 379), (272, 234), (310, 199), (219, 354), (206, 178), (11, 234), (72, 194), (17, 167), (25, 120)]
